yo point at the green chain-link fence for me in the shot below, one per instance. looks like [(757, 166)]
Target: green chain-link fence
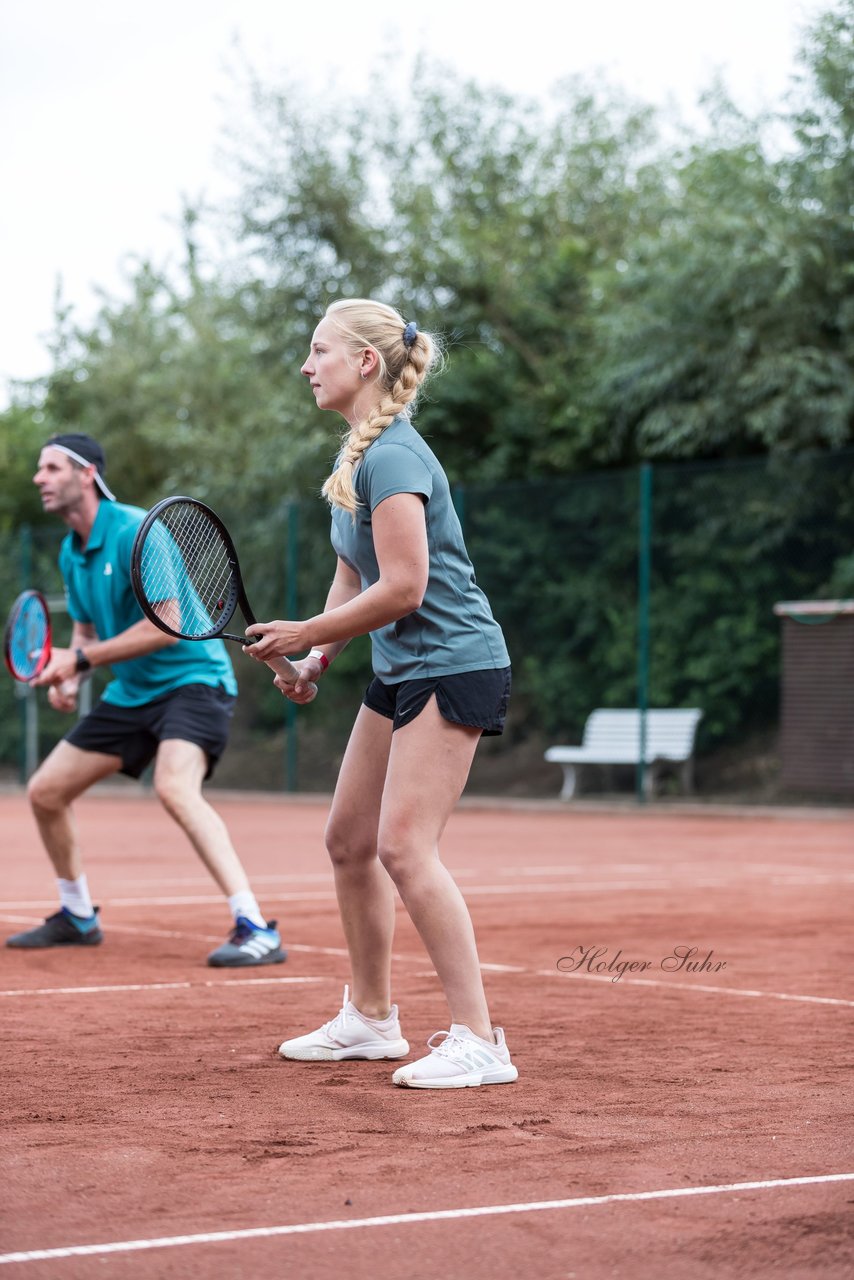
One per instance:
[(649, 586)]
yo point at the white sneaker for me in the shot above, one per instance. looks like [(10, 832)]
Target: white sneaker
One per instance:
[(349, 1035), (458, 1060)]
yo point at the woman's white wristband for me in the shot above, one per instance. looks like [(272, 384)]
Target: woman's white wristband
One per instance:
[(321, 657)]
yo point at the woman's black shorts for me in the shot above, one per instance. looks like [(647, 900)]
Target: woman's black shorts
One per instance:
[(475, 698), (194, 713)]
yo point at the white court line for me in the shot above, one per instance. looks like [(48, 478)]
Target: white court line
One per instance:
[(739, 871), (633, 886), (293, 877), (430, 973), (144, 930), (567, 886), (688, 985), (397, 956), (556, 870), (408, 1219), (830, 878), (470, 890), (156, 986), (183, 900)]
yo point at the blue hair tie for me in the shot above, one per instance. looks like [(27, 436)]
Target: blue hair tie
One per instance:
[(409, 334)]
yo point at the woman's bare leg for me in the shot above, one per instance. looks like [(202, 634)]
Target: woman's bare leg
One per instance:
[(365, 892), (428, 766)]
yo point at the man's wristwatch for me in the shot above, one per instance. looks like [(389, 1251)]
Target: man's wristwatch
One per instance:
[(83, 663)]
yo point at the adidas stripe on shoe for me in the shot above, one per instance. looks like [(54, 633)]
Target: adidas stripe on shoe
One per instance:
[(459, 1059), (349, 1035), (248, 945)]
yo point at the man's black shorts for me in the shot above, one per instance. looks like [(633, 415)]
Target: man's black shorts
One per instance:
[(475, 698), (194, 713)]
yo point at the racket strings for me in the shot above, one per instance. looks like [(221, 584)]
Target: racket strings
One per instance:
[(29, 631), (210, 568), (187, 573)]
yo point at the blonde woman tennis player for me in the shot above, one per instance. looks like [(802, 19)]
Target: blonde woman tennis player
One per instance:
[(441, 679)]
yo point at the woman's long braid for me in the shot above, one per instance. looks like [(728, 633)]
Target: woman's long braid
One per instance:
[(412, 362), (402, 393)]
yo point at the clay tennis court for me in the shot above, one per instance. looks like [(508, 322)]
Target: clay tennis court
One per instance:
[(667, 1122)]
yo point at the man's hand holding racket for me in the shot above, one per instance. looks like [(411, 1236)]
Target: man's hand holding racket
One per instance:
[(62, 679), (187, 581), (63, 697), (61, 669), (30, 655)]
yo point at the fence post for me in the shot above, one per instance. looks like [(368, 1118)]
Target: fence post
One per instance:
[(292, 606), (458, 497), (644, 573)]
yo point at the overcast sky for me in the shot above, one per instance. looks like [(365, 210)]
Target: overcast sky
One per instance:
[(111, 111)]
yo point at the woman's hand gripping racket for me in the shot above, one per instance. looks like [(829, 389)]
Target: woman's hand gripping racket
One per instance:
[(186, 577), (27, 639)]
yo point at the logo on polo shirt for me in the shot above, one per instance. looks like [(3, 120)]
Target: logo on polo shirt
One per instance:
[(108, 569)]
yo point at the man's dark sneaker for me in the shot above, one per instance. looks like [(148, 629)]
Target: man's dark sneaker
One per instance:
[(248, 945), (61, 930)]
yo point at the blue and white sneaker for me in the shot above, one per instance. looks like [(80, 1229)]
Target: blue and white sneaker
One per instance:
[(249, 945)]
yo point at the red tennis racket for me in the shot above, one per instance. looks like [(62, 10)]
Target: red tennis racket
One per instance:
[(27, 638)]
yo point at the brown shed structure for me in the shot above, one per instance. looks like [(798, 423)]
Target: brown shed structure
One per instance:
[(817, 696)]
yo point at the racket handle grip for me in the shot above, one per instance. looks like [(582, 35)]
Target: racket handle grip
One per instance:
[(283, 668)]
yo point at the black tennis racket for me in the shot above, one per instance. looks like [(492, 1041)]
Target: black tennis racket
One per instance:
[(186, 577), (27, 638)]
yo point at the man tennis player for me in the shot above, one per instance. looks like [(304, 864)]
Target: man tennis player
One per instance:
[(170, 701)]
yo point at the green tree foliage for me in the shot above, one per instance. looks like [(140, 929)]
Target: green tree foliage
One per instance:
[(605, 296), (175, 384), (729, 330), (22, 432), (488, 220)]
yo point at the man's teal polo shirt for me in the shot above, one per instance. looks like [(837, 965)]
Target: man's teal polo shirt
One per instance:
[(99, 592)]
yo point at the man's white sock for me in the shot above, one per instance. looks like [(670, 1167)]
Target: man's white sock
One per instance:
[(74, 896), (244, 904)]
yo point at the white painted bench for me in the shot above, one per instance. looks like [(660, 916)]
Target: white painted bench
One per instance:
[(613, 737)]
